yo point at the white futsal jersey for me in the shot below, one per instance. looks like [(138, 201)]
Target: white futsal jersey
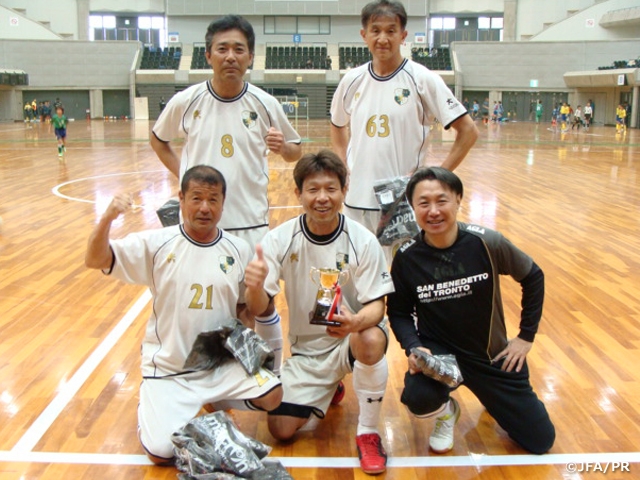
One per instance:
[(291, 250), (228, 134), (195, 289), (389, 119)]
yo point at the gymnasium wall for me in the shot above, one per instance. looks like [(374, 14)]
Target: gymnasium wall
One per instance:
[(508, 66), (585, 25), (66, 65), (16, 26), (531, 16), (192, 29)]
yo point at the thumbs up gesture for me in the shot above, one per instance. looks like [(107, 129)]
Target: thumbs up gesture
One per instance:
[(256, 272)]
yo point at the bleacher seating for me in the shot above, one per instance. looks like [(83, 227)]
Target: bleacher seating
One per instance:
[(167, 58), (353, 56), (433, 59), (279, 57), (633, 63), (198, 59)]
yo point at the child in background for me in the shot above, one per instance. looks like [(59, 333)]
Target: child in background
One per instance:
[(59, 122), (621, 115), (554, 118)]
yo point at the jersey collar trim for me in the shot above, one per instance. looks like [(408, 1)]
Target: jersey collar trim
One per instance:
[(200, 244), (321, 239), (227, 100), (388, 77)]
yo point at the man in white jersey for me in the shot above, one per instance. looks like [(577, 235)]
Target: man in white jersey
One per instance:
[(322, 356), (389, 104), (187, 300), (231, 125)]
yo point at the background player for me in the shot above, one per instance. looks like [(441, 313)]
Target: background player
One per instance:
[(59, 122), (187, 300), (322, 356), (389, 104)]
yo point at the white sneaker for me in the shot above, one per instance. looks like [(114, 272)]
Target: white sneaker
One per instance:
[(441, 439)]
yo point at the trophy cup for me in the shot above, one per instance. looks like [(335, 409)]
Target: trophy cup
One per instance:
[(329, 281)]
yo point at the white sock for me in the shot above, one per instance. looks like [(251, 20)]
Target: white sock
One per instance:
[(369, 385), (445, 409), (269, 329)]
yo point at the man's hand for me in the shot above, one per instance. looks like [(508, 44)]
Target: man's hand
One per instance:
[(99, 254), (349, 322), (257, 270), (119, 204), (275, 140), (413, 365), (514, 355)]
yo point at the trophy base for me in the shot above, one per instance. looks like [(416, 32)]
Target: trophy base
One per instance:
[(324, 321), (320, 315)]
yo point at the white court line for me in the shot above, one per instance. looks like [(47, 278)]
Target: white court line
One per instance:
[(35, 432), (472, 460), (56, 190)]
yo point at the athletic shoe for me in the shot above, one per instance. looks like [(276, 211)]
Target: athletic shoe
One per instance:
[(339, 394), (373, 458), (441, 439)]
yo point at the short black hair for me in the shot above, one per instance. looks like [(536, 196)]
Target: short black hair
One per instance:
[(231, 22), (203, 174), (323, 161), (383, 8), (444, 176)]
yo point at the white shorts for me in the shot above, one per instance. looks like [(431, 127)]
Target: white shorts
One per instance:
[(311, 380), (252, 235), (167, 404), (370, 220)]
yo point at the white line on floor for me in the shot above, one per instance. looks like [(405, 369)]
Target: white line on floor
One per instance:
[(471, 460), (35, 432)]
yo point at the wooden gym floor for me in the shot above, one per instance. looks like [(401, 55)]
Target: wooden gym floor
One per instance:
[(70, 337)]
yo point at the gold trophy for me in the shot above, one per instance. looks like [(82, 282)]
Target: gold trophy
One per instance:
[(329, 281)]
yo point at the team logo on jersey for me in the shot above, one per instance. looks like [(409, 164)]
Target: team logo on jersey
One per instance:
[(249, 118), (401, 95), (196, 114), (226, 263), (402, 247), (294, 257), (342, 260), (452, 103)]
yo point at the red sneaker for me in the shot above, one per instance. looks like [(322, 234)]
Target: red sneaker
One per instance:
[(339, 395), (373, 458)]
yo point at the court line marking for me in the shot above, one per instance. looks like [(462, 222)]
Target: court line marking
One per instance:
[(56, 190), (40, 426), (471, 460)]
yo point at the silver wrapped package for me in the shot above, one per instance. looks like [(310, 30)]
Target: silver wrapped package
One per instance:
[(443, 368), (397, 221), (211, 447), (249, 349), (230, 341), (169, 213)]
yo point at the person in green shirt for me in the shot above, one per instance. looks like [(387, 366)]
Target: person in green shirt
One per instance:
[(59, 122), (539, 111)]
